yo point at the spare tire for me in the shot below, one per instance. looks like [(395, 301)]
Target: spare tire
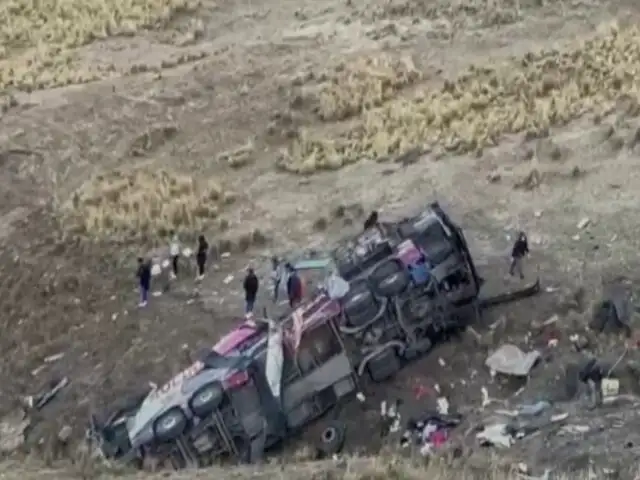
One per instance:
[(360, 304), (390, 278)]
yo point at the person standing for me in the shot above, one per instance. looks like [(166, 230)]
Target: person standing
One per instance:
[(519, 251), (251, 285), (276, 277), (144, 279), (592, 374), (201, 256), (294, 286), (174, 252)]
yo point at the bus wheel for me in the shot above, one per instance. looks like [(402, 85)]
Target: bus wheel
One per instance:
[(332, 439)]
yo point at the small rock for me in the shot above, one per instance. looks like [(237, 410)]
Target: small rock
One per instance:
[(494, 177), (537, 213)]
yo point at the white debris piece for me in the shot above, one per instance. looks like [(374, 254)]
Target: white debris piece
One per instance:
[(583, 223), (510, 360), (485, 397), (495, 435), (610, 387), (156, 270), (443, 406), (441, 362), (54, 358), (360, 396), (574, 429), (544, 476), (165, 263), (395, 426)]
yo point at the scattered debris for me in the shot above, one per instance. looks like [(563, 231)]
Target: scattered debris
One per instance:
[(54, 358), (510, 360), (495, 436), (430, 432), (12, 431), (40, 400)]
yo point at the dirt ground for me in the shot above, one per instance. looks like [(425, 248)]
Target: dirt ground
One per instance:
[(63, 293)]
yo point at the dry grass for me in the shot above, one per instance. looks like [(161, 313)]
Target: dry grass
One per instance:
[(352, 88), (142, 204), (37, 38), (472, 112), (355, 468), (461, 13)]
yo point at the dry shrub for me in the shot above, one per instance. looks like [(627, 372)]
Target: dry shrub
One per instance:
[(356, 86), (529, 95), (470, 13), (152, 139), (140, 204), (37, 38)]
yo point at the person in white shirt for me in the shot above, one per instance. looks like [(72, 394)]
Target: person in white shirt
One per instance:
[(277, 273), (174, 252)]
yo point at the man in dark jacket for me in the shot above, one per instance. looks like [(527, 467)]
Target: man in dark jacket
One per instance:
[(371, 221), (201, 256), (592, 374), (519, 251), (250, 290), (294, 286), (144, 279)]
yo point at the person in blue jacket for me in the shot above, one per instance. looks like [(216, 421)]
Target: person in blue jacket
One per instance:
[(420, 271)]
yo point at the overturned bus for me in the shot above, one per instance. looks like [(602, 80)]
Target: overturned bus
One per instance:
[(259, 384), (406, 283), (411, 283)]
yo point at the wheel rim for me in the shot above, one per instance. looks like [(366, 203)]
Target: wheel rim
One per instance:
[(168, 423), (205, 396), (328, 435)]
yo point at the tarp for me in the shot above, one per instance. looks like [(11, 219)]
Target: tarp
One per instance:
[(275, 359), (510, 360)]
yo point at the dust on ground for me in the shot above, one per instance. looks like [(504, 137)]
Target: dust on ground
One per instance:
[(62, 293)]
